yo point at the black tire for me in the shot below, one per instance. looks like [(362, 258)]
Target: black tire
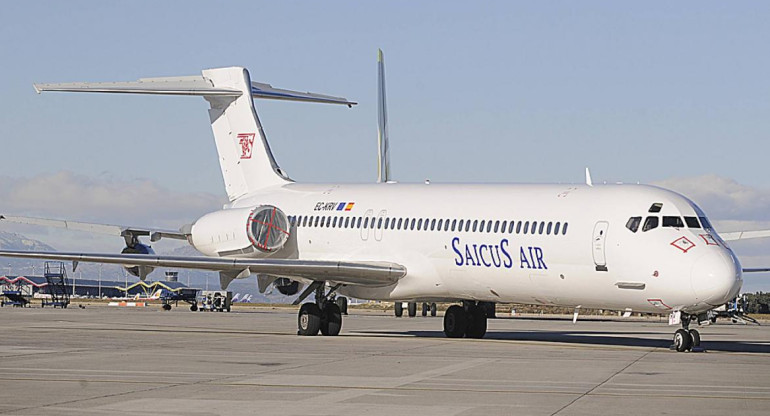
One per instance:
[(424, 309), (477, 322), (455, 322), (695, 336), (342, 302), (166, 307), (682, 340), (308, 319), (331, 324), (193, 308), (433, 309), (412, 309), (398, 308)]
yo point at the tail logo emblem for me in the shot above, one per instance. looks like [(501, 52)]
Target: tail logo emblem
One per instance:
[(246, 140)]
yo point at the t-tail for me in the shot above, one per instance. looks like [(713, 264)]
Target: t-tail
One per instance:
[(244, 153)]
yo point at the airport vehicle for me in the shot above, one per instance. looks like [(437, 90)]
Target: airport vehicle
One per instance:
[(623, 247)]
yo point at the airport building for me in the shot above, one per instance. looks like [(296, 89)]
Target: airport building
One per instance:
[(31, 285)]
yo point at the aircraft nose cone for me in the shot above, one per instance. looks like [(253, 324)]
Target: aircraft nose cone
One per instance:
[(716, 278)]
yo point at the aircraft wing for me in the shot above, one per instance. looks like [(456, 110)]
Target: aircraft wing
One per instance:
[(744, 235), (354, 273), (116, 230)]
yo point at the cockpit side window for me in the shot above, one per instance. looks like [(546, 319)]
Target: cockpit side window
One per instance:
[(633, 224), (706, 224), (673, 222), (692, 222), (650, 223)]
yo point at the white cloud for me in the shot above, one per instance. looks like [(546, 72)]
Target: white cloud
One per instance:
[(723, 198), (66, 195)]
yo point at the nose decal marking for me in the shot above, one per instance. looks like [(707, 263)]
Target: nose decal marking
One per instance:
[(709, 239), (683, 243)]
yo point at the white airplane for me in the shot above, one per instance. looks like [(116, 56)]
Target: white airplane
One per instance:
[(622, 247)]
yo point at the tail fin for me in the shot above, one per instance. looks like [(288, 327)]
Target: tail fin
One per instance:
[(244, 154), (383, 146)]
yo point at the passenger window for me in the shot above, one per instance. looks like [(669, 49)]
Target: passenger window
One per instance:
[(502, 226), (510, 227), (371, 223), (400, 221), (548, 230), (433, 224), (446, 225), (387, 223), (489, 226), (650, 223), (526, 227), (454, 223), (564, 230), (467, 225), (334, 222), (556, 228), (440, 223), (419, 224), (692, 222), (475, 225), (633, 223), (673, 222), (379, 223), (534, 227), (315, 223), (411, 227), (460, 225), (481, 227), (358, 223), (366, 222), (540, 230)]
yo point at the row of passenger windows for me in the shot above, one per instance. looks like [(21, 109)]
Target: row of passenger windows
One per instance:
[(432, 224), (652, 222)]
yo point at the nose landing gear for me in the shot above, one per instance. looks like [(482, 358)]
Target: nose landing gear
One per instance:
[(686, 339)]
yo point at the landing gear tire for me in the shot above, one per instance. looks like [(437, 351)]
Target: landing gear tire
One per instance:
[(424, 309), (399, 309), (166, 307), (695, 336), (455, 322), (477, 322), (412, 309), (331, 321), (682, 340), (432, 309), (309, 319), (342, 302)]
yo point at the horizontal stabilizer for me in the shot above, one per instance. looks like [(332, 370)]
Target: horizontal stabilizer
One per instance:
[(195, 85), (744, 235)]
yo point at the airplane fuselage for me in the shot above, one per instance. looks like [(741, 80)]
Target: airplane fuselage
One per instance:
[(570, 245)]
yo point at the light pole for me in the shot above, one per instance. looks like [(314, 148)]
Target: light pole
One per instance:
[(100, 280), (9, 269)]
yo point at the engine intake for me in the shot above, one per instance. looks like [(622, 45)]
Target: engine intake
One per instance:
[(268, 228)]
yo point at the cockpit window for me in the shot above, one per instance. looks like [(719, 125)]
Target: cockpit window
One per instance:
[(705, 222), (673, 222), (650, 223), (633, 223), (692, 222), (656, 207)]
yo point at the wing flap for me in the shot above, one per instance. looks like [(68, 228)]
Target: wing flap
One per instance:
[(354, 273)]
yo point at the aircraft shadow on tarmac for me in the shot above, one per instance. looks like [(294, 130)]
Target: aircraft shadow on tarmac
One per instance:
[(596, 338)]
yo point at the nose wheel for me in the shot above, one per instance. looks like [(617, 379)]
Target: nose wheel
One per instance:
[(686, 339)]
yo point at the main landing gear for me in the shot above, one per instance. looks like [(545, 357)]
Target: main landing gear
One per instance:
[(468, 320), (686, 339), (324, 315)]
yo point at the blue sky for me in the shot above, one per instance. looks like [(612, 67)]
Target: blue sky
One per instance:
[(478, 92)]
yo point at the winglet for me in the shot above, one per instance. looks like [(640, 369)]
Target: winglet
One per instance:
[(588, 178)]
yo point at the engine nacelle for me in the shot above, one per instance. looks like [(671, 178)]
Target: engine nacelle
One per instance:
[(247, 232), (138, 271), (287, 287)]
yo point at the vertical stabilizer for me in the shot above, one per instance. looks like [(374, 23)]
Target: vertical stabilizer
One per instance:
[(244, 154), (383, 147)]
